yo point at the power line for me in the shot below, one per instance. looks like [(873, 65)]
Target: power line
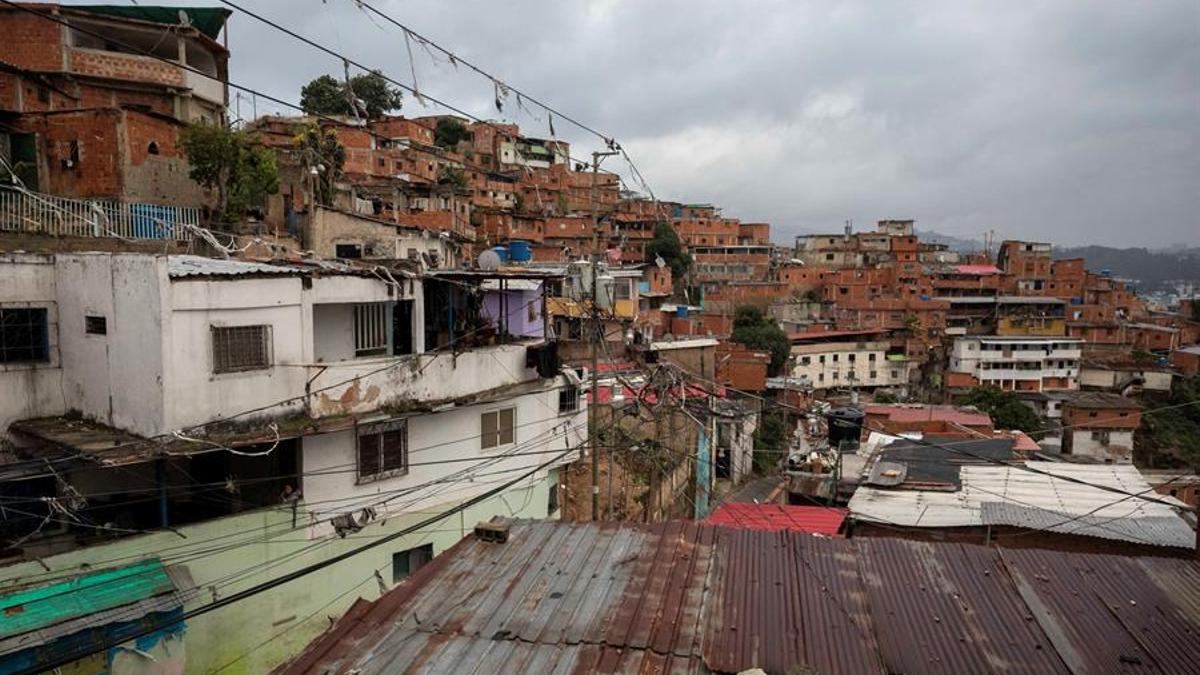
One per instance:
[(362, 501), (76, 654), (1018, 466)]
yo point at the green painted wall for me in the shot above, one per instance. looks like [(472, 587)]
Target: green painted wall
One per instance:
[(259, 633)]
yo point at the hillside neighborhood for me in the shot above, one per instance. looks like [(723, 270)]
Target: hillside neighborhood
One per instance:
[(361, 389)]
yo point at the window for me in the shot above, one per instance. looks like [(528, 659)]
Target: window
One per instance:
[(404, 563), (95, 325), (871, 357), (383, 451), (805, 360), (820, 377), (835, 358), (874, 374), (349, 251), (552, 505), (895, 374), (852, 357), (835, 376), (152, 148), (241, 348), (568, 398), (497, 427), (822, 358), (24, 335), (370, 329)]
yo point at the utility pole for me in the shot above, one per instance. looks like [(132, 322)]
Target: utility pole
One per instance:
[(592, 424)]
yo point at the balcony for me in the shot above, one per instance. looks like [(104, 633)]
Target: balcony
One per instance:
[(367, 385)]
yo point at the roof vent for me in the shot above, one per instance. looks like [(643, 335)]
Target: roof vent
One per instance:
[(495, 530)]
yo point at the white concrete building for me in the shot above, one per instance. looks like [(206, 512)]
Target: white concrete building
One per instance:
[(1016, 363), (150, 405), (830, 365)]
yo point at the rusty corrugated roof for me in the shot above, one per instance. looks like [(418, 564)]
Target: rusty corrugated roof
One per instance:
[(684, 597)]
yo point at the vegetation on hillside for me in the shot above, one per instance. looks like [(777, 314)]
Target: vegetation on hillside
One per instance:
[(770, 441), (1005, 407), (755, 330), (1171, 426), (667, 245), (228, 162), (320, 149)]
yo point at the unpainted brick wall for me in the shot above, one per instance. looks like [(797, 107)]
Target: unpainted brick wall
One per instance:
[(123, 66), (30, 42)]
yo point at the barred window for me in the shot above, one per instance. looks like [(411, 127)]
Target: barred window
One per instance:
[(383, 451), (24, 335), (370, 329), (497, 427), (241, 348), (568, 398)]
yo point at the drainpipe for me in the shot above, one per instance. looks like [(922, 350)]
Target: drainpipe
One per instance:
[(160, 479)]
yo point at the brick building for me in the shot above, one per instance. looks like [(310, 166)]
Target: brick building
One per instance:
[(85, 113)]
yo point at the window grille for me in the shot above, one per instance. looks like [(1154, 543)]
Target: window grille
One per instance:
[(241, 348), (370, 329), (24, 335)]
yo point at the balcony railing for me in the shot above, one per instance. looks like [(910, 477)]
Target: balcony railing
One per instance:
[(26, 211)]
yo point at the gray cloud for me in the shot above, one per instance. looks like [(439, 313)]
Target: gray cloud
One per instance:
[(1077, 122)]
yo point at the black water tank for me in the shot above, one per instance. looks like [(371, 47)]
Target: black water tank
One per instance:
[(845, 427)]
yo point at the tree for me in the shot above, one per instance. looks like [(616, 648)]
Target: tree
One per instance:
[(227, 161), (770, 440), (756, 331), (666, 244), (320, 149), (452, 176), (885, 398), (1005, 407), (326, 95), (449, 132)]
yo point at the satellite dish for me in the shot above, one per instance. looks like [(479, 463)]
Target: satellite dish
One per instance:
[(184, 19), (489, 260), (658, 260)]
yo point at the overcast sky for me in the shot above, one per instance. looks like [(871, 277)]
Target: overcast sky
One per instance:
[(1075, 122)]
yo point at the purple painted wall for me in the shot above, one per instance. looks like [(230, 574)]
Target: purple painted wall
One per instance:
[(525, 308)]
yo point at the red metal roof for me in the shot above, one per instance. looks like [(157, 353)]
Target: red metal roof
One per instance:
[(684, 597), (779, 517)]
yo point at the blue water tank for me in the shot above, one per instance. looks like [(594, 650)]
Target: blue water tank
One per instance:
[(681, 311), (520, 251), (502, 252), (924, 298)]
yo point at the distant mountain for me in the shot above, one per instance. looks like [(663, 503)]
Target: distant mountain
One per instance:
[(955, 243), (1152, 268)]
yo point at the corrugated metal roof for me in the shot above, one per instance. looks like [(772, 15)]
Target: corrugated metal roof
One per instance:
[(184, 590), (1157, 530), (199, 266), (688, 598), (1017, 496), (779, 517), (37, 608)]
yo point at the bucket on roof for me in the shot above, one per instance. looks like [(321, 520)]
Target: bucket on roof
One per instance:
[(501, 252), (520, 251)]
